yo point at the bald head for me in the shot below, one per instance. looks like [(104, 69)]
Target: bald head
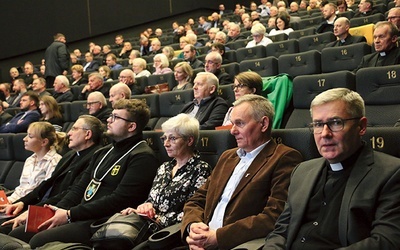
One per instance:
[(119, 91)]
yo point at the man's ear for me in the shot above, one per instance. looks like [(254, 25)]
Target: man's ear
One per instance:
[(132, 127), (213, 88), (264, 123)]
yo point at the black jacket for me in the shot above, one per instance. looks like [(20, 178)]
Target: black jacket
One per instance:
[(57, 59)]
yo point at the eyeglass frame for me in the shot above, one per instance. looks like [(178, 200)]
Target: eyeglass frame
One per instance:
[(91, 103), (171, 139), (113, 117), (239, 86), (73, 128), (392, 17), (329, 123)]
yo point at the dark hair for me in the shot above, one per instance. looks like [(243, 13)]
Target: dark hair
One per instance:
[(33, 97), (219, 46), (251, 79), (285, 18), (137, 110), (95, 125)]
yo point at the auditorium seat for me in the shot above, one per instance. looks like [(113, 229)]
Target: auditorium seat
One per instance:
[(380, 88), (264, 66), (344, 57), (203, 50), (250, 53), (281, 48), (212, 143), (300, 139), (348, 14), (278, 37), (365, 30), (304, 63), (226, 93), (77, 108), (310, 22), (231, 68), (315, 42), (153, 140), (6, 155), (306, 87), (296, 34), (384, 139), (164, 78), (238, 44), (231, 55), (153, 101), (171, 103), (372, 19)]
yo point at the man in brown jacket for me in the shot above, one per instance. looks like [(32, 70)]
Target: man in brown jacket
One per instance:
[(247, 190)]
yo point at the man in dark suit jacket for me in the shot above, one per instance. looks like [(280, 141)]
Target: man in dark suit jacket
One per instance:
[(57, 59), (119, 175), (213, 64), (189, 54), (341, 31), (91, 64), (247, 189), (349, 198), (20, 122), (329, 14), (85, 137), (216, 22), (365, 8), (387, 53), (208, 108)]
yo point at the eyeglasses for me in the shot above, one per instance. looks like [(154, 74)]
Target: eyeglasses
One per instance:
[(91, 103), (171, 139), (122, 77), (392, 17), (113, 117), (334, 125), (77, 128), (239, 86), (210, 62)]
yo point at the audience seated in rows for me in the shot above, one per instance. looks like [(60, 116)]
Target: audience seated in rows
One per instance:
[(84, 139), (96, 83)]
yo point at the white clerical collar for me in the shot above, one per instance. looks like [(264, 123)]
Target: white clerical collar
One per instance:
[(336, 166), (382, 53)]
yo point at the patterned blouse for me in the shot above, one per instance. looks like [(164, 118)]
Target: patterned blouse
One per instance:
[(168, 195)]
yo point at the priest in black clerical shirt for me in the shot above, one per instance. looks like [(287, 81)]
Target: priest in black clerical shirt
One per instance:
[(341, 31), (387, 53)]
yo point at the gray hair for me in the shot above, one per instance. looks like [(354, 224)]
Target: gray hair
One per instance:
[(184, 125)]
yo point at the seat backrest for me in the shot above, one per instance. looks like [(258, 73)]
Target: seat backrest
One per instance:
[(76, 91), (384, 139), (281, 48), (164, 78), (263, 66), (238, 44), (153, 140), (310, 22), (231, 68), (231, 55), (279, 37), (153, 101), (212, 143), (171, 103), (380, 88), (300, 139), (6, 155), (250, 53), (365, 30), (306, 87), (305, 63), (317, 41), (226, 93), (18, 144), (344, 57), (114, 74), (78, 108), (203, 50), (358, 21), (348, 14), (296, 34), (65, 108)]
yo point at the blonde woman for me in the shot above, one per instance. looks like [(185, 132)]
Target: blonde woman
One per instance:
[(44, 142), (183, 73), (161, 64)]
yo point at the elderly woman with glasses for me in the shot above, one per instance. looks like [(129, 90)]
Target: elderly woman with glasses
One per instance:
[(245, 83), (161, 64), (258, 32), (178, 179)]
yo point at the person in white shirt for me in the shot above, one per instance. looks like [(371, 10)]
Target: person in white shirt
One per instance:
[(282, 25), (42, 140), (258, 32)]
